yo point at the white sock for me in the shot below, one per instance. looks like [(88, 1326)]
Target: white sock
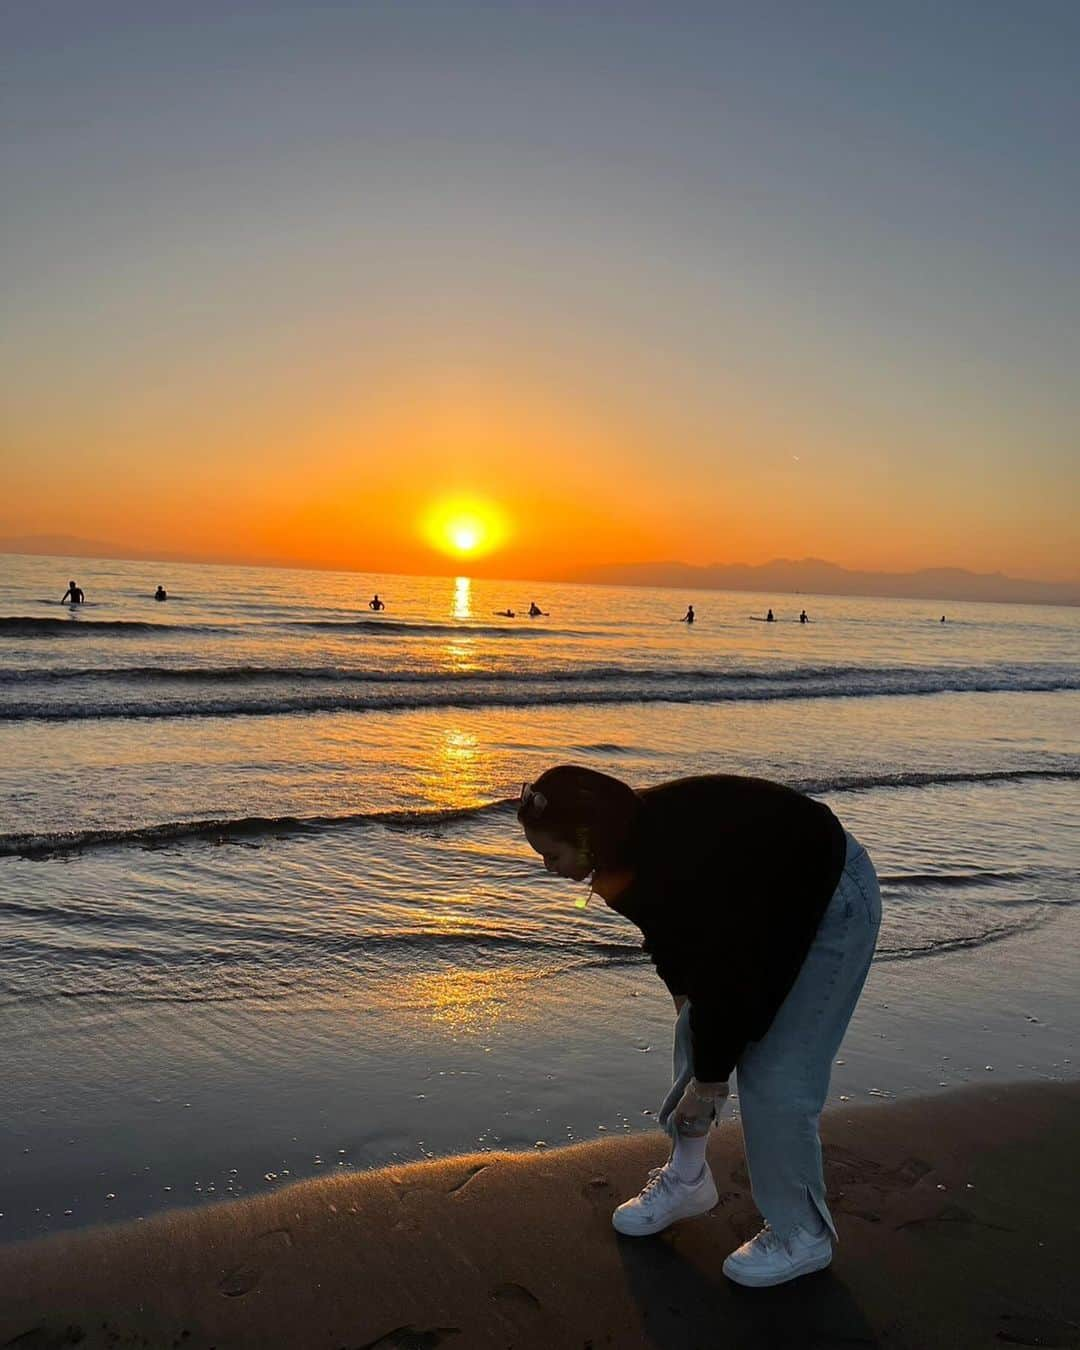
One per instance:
[(688, 1156)]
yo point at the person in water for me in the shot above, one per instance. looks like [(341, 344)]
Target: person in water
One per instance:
[(770, 617), (75, 592), (688, 617), (161, 593), (760, 913), (534, 610), (375, 602), (804, 617)]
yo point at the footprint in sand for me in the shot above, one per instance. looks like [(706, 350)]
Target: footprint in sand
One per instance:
[(870, 1191), (407, 1188), (44, 1338), (516, 1294), (247, 1274), (955, 1214), (473, 1173), (598, 1190), (521, 1310), (845, 1168), (1022, 1330), (600, 1194), (408, 1338)]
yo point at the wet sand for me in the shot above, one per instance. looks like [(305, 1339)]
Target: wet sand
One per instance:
[(958, 1223)]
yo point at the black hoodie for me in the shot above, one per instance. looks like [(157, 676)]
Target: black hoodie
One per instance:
[(731, 879)]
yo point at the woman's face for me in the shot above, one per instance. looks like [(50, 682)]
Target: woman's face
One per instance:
[(560, 856)]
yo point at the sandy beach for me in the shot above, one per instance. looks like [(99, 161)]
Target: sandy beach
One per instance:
[(957, 1219)]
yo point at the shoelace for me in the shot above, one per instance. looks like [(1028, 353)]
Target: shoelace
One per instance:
[(768, 1241), (657, 1182)]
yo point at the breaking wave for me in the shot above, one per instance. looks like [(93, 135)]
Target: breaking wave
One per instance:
[(280, 690), (226, 830)]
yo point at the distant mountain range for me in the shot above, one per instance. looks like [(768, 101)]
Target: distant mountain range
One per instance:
[(813, 576), (73, 546), (808, 576)]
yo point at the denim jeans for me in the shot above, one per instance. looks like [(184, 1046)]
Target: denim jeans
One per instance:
[(783, 1079)]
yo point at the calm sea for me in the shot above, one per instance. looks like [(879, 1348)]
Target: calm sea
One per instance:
[(260, 876)]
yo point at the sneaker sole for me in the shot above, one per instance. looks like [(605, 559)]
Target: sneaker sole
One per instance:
[(767, 1281), (659, 1228)]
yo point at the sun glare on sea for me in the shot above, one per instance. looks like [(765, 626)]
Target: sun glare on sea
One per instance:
[(465, 527)]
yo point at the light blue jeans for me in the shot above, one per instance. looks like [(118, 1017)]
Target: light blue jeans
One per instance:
[(783, 1079)]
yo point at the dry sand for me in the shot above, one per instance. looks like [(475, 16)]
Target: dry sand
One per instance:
[(957, 1217)]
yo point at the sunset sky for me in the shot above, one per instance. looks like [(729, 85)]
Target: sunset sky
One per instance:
[(714, 282)]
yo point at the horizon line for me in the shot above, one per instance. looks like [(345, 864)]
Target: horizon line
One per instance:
[(148, 556)]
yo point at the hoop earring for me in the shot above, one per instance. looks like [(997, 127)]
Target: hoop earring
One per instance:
[(583, 900)]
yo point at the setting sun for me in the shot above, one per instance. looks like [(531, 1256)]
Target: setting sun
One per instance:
[(465, 527), (465, 537)]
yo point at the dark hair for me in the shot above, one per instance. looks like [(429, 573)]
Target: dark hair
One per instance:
[(571, 802)]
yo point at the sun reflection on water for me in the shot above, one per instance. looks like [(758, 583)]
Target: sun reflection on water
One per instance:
[(462, 602), (460, 656), (451, 777), (467, 1000)]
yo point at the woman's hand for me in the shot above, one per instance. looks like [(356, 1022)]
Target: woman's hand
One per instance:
[(699, 1105)]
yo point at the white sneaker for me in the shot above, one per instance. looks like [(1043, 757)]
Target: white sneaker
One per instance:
[(664, 1199), (767, 1259)]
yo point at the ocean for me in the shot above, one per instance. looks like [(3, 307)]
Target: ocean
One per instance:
[(265, 909)]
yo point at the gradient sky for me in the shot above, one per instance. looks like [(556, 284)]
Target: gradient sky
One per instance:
[(715, 282)]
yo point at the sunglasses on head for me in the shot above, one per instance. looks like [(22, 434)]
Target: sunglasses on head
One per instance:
[(532, 802)]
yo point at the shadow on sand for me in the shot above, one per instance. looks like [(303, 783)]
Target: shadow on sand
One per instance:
[(687, 1305)]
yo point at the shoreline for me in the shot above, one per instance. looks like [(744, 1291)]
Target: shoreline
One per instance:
[(338, 1089), (956, 1217)]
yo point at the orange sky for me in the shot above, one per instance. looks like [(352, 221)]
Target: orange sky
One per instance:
[(271, 473), (658, 293)]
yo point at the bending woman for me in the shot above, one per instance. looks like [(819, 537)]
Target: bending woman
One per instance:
[(760, 913)]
